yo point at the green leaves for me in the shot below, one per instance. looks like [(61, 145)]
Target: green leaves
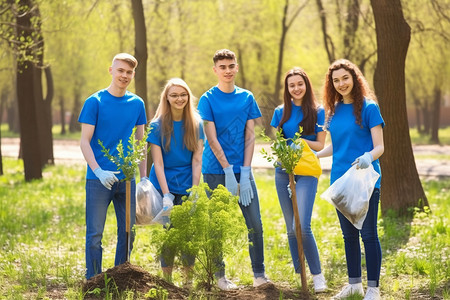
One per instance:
[(205, 228), (283, 154), (136, 153)]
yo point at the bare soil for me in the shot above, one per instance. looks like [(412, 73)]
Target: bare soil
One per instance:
[(127, 277)]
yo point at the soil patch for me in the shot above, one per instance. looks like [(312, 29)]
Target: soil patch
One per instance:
[(130, 277)]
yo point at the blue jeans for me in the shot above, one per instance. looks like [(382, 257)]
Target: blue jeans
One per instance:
[(252, 217), (371, 242), (98, 199), (305, 188), (168, 254)]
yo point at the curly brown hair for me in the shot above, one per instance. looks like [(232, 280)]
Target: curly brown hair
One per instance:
[(360, 89)]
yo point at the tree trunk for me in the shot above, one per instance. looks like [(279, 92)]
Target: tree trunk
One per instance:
[(140, 39), (436, 114), (417, 108), (74, 126), (298, 234), (328, 43), (401, 186), (29, 133), (62, 115)]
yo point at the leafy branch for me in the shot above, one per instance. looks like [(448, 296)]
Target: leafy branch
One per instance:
[(136, 153), (283, 154)]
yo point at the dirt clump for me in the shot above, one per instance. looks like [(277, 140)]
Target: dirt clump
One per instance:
[(128, 277)]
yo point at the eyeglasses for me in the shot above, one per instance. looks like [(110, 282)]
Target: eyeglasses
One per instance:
[(176, 96)]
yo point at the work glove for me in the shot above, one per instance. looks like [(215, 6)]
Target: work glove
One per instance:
[(107, 178), (363, 161), (167, 203), (246, 191), (230, 180)]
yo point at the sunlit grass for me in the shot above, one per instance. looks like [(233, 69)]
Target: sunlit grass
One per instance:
[(43, 228), (420, 139)]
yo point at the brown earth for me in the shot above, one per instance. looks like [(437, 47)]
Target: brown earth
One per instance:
[(130, 277)]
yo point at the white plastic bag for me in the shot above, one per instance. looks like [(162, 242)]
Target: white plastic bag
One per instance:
[(350, 194), (149, 204)]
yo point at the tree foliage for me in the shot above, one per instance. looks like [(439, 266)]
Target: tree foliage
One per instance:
[(207, 228)]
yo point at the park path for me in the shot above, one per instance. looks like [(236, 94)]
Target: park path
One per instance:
[(68, 152)]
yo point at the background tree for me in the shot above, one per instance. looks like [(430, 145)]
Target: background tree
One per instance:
[(27, 50), (401, 184)]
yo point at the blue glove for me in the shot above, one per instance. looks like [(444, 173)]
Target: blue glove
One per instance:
[(107, 178), (364, 161), (230, 180), (246, 191)]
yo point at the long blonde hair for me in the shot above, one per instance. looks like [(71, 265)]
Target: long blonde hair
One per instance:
[(191, 118)]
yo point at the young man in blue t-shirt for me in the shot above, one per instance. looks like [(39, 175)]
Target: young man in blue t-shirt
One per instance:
[(229, 114), (109, 115)]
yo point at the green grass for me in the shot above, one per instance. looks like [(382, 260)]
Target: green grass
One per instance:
[(42, 240), (419, 139), (56, 130)]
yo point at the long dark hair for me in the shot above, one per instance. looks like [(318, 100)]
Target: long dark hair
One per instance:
[(309, 103)]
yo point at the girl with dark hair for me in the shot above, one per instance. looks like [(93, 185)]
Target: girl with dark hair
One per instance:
[(300, 108)]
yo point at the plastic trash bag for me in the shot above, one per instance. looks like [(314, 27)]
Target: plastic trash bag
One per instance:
[(350, 194), (149, 204)]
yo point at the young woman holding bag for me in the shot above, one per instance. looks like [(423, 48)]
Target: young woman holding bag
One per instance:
[(300, 108), (355, 125)]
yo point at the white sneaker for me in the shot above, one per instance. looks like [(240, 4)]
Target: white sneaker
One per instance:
[(350, 289), (260, 281), (320, 284), (225, 285), (373, 293)]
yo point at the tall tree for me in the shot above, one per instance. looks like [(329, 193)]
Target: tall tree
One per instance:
[(26, 70), (400, 182), (140, 50)]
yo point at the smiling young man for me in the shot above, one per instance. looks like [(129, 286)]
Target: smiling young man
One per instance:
[(109, 115), (229, 114)]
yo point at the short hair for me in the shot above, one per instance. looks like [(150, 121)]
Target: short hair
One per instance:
[(223, 54), (128, 58)]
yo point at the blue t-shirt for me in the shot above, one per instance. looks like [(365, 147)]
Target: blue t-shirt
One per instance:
[(114, 119), (351, 140), (291, 126), (177, 161), (230, 113)]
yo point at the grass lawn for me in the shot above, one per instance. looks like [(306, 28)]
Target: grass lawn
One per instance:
[(42, 240)]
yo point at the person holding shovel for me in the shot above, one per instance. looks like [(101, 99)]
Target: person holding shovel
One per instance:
[(110, 116), (355, 125), (300, 108), (176, 140), (229, 114)]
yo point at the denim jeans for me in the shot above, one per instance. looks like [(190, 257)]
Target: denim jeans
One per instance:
[(168, 254), (305, 188), (371, 242), (252, 216), (98, 199)]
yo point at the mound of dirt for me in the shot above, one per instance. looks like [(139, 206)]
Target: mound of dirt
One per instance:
[(130, 277)]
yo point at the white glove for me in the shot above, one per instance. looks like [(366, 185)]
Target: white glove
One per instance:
[(246, 191), (230, 180), (167, 203), (107, 178), (363, 161)]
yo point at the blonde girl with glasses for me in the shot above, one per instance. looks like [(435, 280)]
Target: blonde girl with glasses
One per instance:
[(176, 141)]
